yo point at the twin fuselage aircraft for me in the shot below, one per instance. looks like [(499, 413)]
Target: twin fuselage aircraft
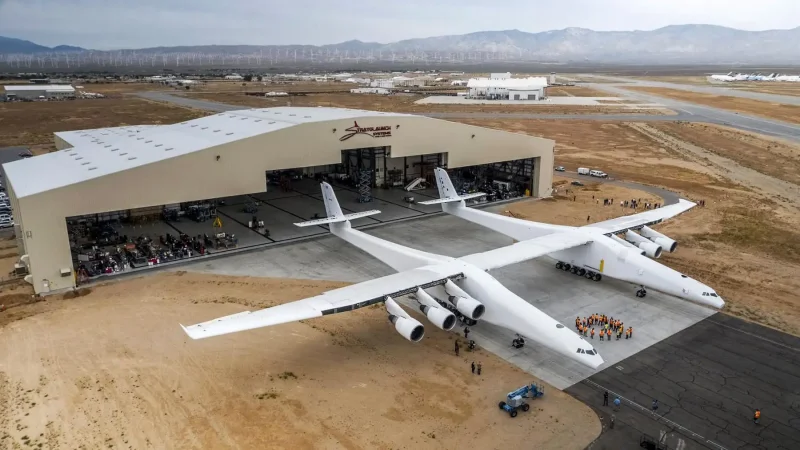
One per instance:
[(447, 289)]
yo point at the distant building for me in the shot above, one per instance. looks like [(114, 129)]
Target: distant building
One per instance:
[(402, 81), (370, 90), (382, 83), (500, 76), (234, 77), (36, 91), (531, 88)]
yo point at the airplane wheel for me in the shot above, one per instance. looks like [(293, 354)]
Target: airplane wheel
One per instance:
[(559, 265), (526, 407), (597, 277), (582, 272), (567, 267)]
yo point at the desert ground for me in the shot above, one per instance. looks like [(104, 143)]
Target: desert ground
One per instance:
[(33, 123), (750, 217), (786, 113), (111, 368)]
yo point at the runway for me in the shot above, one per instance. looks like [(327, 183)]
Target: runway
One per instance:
[(686, 112)]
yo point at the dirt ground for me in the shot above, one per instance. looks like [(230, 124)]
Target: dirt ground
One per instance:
[(786, 113), (745, 242), (114, 370), (405, 104), (33, 123), (574, 91)]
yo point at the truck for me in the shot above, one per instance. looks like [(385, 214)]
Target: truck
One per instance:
[(514, 400), (598, 173), (583, 171)]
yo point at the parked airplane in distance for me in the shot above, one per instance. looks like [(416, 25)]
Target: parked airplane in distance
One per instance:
[(603, 254), (443, 288)]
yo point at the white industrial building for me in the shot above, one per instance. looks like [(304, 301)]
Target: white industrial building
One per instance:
[(36, 91), (403, 81), (385, 83), (532, 88), (134, 175), (370, 90), (234, 77)]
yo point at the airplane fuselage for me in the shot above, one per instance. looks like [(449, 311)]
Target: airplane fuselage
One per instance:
[(603, 255)]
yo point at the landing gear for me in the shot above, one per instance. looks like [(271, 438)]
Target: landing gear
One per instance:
[(588, 274), (518, 342), (642, 292)]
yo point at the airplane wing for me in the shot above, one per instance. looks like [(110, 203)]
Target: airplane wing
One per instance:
[(646, 218), (525, 250), (338, 300)]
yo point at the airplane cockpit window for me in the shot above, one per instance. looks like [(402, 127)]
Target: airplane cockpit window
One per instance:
[(713, 294), (580, 350), (590, 352), (710, 294), (558, 325), (684, 276)]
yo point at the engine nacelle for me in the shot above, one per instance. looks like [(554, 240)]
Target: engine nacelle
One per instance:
[(437, 315), (627, 244), (440, 317), (408, 328), (665, 242), (651, 249), (465, 304)]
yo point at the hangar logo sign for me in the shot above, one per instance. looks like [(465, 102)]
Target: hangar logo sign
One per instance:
[(376, 132)]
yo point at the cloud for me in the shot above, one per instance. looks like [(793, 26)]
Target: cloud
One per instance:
[(108, 24)]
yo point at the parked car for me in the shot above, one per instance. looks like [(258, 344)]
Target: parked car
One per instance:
[(560, 169), (577, 183), (598, 173)]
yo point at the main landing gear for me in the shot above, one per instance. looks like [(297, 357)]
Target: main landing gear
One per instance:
[(589, 274), (641, 292)]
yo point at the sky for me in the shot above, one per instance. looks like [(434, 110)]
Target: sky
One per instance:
[(115, 24)]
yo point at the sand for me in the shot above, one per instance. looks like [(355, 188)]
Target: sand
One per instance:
[(112, 369)]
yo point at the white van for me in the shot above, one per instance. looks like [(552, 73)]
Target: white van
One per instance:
[(598, 173), (583, 171)]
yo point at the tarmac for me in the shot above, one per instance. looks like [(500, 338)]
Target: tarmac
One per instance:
[(557, 101), (708, 380)]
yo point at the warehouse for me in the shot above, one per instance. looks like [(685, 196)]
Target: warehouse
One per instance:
[(122, 198), (39, 91), (502, 88)]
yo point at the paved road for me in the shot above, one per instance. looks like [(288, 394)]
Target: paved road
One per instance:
[(686, 112), (708, 380), (699, 113), (668, 196), (711, 89)]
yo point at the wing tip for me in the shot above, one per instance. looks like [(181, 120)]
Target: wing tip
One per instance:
[(189, 332)]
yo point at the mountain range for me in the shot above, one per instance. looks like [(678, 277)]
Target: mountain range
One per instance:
[(668, 45)]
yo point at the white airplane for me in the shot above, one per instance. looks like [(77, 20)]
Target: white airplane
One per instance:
[(444, 288), (603, 253)]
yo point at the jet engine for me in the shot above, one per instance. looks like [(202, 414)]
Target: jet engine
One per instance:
[(465, 304), (627, 244), (651, 249), (437, 315), (664, 241), (408, 327)]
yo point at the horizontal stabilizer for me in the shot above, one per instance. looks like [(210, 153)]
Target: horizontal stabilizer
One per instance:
[(453, 199), (344, 218)]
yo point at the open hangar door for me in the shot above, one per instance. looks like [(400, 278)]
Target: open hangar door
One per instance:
[(500, 181)]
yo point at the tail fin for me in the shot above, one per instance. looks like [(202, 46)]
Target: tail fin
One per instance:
[(447, 192), (334, 211)]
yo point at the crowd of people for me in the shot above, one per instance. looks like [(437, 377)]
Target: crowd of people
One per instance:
[(608, 327)]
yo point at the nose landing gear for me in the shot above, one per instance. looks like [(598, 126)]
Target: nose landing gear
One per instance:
[(588, 274), (641, 292)]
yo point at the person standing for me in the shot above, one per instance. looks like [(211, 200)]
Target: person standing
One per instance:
[(473, 367), (602, 333), (457, 348), (757, 416), (479, 368), (592, 335), (466, 332), (605, 398), (655, 405)]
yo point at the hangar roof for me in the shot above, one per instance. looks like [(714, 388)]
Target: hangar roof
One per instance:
[(509, 83), (39, 87), (104, 151)]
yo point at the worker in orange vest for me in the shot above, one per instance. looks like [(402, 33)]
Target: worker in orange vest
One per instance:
[(592, 333), (630, 331), (756, 416)]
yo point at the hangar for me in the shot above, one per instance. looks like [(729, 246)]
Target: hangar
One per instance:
[(89, 200)]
